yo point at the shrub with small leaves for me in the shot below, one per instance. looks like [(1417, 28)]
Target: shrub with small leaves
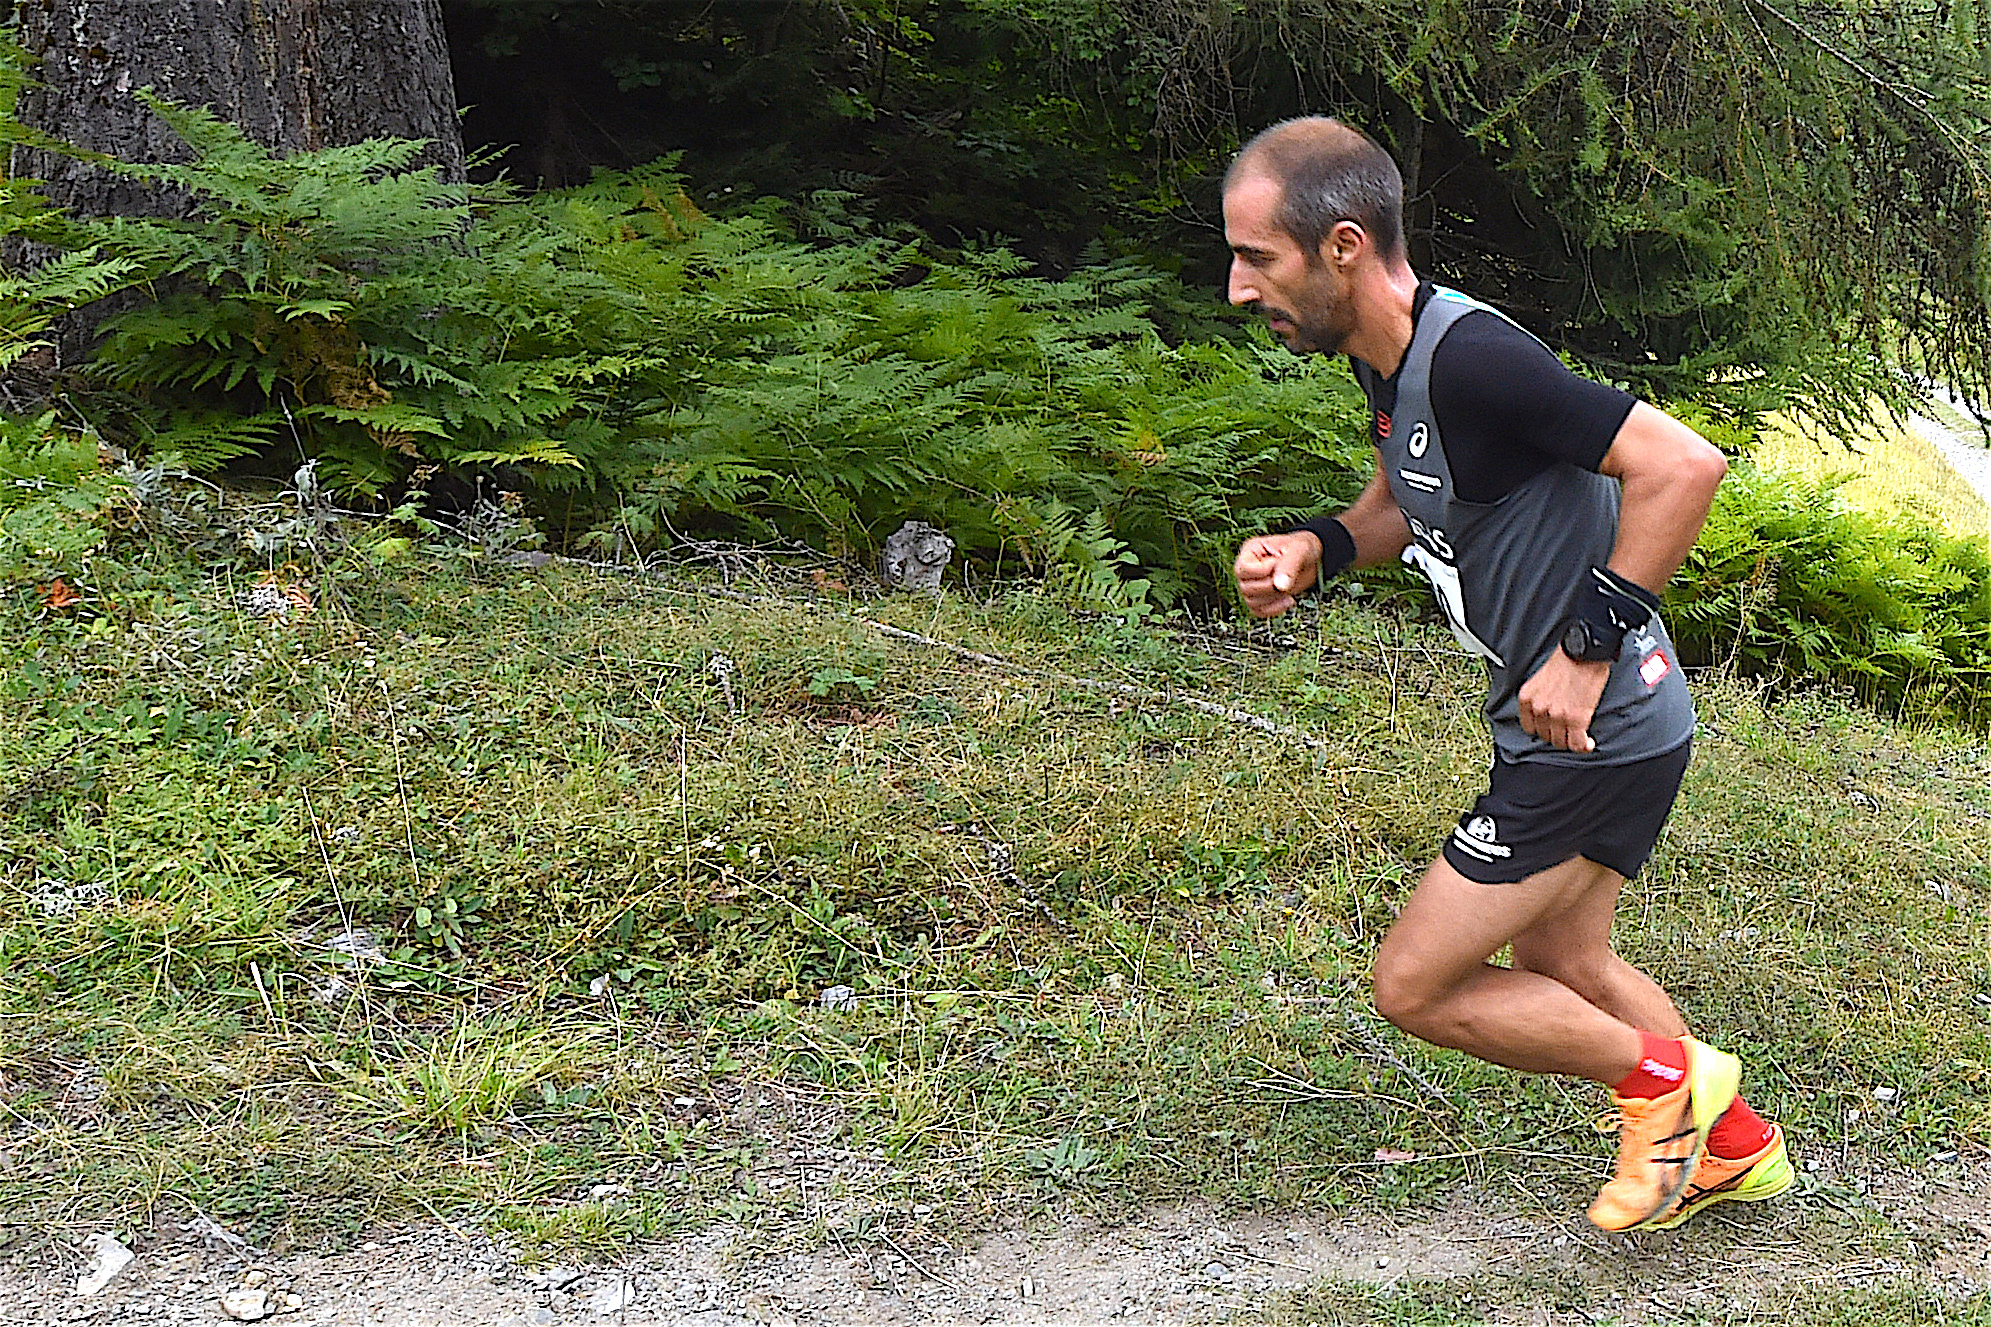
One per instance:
[(445, 919)]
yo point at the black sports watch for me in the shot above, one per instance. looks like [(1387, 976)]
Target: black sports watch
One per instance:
[(1587, 642)]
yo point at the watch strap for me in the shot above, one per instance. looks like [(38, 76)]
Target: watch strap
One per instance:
[(1594, 642)]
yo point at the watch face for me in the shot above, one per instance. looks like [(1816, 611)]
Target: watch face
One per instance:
[(1580, 645)]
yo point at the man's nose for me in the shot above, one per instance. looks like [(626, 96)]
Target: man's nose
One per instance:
[(1242, 289)]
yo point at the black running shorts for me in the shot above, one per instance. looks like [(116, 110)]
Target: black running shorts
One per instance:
[(1534, 816)]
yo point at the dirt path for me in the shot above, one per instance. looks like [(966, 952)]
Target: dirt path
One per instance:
[(1964, 449), (1184, 1264)]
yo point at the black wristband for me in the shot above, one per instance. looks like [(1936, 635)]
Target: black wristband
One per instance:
[(1621, 603), (1613, 609), (1337, 546)]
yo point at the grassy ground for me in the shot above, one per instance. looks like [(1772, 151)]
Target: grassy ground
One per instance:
[(616, 838), (1889, 469), (1469, 1300)]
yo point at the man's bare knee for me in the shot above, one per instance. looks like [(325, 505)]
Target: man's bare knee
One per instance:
[(1404, 996)]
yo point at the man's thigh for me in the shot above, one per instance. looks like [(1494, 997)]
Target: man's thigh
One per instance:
[(1579, 934), (1451, 925)]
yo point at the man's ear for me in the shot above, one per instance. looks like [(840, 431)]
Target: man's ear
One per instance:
[(1344, 244)]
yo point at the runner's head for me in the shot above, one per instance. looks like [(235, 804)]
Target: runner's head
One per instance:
[(1313, 215), (1326, 172)]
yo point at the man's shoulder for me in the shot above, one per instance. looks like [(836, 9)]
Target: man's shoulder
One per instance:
[(1483, 332)]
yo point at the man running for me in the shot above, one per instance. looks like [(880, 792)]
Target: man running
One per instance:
[(1548, 512)]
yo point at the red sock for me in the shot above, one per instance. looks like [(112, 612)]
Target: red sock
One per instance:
[(1662, 1063), (1740, 1132)]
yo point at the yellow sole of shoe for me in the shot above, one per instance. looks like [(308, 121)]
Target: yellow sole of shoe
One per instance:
[(1772, 1177)]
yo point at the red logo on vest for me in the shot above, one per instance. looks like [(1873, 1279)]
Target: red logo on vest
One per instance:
[(1382, 425)]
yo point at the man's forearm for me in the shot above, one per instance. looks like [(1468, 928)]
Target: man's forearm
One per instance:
[(1376, 523)]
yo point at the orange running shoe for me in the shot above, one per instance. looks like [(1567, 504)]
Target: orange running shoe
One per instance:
[(1751, 1179), (1662, 1138)]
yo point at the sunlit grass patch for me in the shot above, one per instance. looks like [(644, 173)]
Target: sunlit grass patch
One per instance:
[(1889, 468)]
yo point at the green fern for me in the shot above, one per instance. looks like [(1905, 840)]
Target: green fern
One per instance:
[(1788, 582), (55, 495), (30, 304), (204, 442)]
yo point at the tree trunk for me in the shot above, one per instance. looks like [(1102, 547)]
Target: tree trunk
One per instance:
[(292, 74), (295, 75), (1406, 123)]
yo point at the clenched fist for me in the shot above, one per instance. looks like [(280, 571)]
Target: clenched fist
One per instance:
[(1559, 701), (1273, 570)]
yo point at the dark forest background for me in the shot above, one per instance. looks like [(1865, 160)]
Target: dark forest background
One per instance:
[(793, 272), (1681, 194)]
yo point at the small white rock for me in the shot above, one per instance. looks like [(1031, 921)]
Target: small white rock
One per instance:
[(254, 1279), (246, 1303), (601, 1191), (613, 1298), (1884, 1094), (108, 1257), (1382, 1262)]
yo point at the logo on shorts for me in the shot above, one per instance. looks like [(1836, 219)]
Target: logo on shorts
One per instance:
[(1420, 439), (1655, 668), (1382, 425), (1481, 837)]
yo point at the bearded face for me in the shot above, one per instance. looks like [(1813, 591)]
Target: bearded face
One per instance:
[(1322, 315), (1305, 301)]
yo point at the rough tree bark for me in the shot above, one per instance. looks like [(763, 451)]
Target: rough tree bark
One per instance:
[(294, 75)]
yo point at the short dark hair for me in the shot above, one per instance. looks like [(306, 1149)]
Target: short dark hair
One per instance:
[(1327, 172)]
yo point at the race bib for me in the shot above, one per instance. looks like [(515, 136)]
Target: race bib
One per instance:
[(1444, 578)]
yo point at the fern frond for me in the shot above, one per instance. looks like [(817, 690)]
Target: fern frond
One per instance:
[(532, 451), (206, 442), (391, 417)]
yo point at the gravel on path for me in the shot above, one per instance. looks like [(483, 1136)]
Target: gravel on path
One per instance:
[(1180, 1264)]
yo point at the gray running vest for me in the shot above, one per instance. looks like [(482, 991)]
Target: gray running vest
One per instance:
[(1507, 573)]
